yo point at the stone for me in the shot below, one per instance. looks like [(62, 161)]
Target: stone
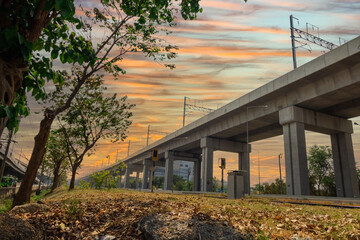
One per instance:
[(17, 229), (29, 208), (200, 226)]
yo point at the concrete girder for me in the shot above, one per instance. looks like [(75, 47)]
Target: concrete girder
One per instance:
[(315, 121), (222, 145)]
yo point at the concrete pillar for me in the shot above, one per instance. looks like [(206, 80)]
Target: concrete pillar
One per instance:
[(137, 179), (207, 169), (119, 182), (344, 165), (297, 176), (127, 176), (145, 180), (169, 170), (244, 164), (197, 174)]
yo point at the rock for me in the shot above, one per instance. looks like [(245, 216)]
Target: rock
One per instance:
[(29, 208), (105, 237), (17, 229), (201, 226)]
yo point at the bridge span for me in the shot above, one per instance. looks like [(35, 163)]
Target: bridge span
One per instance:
[(319, 96)]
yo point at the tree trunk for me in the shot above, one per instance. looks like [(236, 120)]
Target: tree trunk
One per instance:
[(72, 181), (11, 76), (56, 177), (23, 195)]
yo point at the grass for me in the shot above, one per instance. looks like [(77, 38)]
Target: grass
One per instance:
[(5, 205)]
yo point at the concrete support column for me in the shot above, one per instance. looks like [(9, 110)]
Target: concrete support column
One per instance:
[(344, 165), (137, 180), (244, 164), (207, 169), (297, 176), (127, 176), (197, 174), (145, 179), (169, 170), (119, 182)]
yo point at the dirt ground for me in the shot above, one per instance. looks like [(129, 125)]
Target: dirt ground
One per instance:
[(93, 214)]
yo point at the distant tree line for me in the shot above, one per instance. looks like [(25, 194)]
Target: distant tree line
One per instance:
[(321, 175)]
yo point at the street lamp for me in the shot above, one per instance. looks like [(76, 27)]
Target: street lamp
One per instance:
[(280, 173), (247, 138), (259, 170)]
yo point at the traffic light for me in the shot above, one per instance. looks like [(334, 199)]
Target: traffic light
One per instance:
[(155, 155), (222, 163)]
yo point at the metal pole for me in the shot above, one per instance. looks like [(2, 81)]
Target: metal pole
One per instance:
[(117, 153), (152, 177), (222, 179), (280, 173), (259, 170), (147, 139), (184, 111), (293, 41), (6, 154), (247, 147), (128, 148)]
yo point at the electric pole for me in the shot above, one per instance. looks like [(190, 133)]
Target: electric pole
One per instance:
[(280, 173)]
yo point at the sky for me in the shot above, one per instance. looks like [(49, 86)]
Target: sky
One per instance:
[(232, 48)]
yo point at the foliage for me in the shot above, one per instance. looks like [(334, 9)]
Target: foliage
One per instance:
[(107, 179), (84, 185), (129, 27), (91, 117), (158, 182), (216, 184), (36, 198), (277, 187), (321, 171), (56, 157), (5, 205), (132, 183), (26, 29), (135, 28), (180, 184)]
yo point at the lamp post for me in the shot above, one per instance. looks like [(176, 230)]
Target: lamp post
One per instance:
[(280, 173), (259, 169), (247, 138)]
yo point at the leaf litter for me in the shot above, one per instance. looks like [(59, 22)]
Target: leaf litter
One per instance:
[(90, 214)]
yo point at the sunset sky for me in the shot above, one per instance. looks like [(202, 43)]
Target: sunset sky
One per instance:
[(232, 48)]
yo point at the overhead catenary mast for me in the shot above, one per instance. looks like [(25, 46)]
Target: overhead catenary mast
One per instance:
[(296, 33)]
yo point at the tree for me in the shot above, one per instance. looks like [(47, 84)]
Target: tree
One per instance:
[(105, 178), (216, 184), (135, 28), (56, 157), (321, 171), (22, 25), (92, 117)]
